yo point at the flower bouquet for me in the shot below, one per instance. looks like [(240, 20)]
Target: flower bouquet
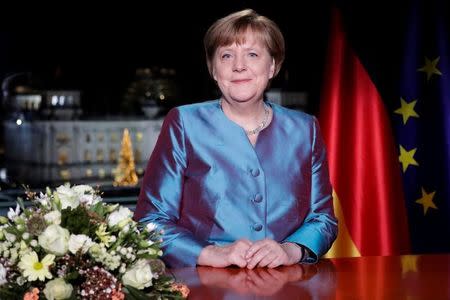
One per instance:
[(68, 244)]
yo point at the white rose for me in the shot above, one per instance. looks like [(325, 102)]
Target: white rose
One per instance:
[(89, 199), (67, 196), (55, 239), (58, 289), (53, 217), (83, 189), (79, 241), (139, 276), (2, 275), (151, 226), (120, 217)]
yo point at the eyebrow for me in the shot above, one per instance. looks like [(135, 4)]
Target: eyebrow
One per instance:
[(232, 49)]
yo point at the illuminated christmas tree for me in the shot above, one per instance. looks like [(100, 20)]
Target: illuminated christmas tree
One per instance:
[(125, 173)]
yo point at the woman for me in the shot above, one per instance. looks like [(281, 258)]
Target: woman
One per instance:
[(239, 180)]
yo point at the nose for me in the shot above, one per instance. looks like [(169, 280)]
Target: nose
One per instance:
[(239, 64)]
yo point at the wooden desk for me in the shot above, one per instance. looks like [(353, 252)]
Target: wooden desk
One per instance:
[(388, 277)]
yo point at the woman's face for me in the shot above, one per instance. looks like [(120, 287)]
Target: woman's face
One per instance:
[(243, 71)]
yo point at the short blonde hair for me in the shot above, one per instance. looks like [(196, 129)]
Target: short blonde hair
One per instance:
[(232, 29)]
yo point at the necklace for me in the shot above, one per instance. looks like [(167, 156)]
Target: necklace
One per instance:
[(261, 126)]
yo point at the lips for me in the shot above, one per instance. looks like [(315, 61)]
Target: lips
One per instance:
[(238, 81)]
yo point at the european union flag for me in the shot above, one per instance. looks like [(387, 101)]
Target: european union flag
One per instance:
[(422, 126)]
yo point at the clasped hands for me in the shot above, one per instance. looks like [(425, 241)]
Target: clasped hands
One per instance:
[(243, 253)]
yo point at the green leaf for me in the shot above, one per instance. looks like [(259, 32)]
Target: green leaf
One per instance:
[(11, 291), (134, 294), (20, 202), (147, 256), (99, 209), (72, 276), (13, 230)]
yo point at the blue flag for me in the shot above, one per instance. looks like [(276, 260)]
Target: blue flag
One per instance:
[(422, 126)]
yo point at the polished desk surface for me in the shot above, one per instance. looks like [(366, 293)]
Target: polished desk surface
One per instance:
[(372, 277)]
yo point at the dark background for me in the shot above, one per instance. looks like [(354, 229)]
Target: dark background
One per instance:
[(98, 52), (98, 49)]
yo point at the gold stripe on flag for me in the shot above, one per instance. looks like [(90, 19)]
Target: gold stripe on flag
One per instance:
[(344, 245)]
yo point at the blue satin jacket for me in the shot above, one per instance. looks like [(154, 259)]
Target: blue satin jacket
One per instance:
[(206, 183)]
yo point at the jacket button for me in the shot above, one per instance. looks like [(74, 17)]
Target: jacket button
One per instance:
[(258, 198), (257, 227), (254, 172)]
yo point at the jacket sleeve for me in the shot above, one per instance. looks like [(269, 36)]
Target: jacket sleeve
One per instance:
[(161, 193), (319, 230)]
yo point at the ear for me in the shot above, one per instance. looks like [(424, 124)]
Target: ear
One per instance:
[(213, 73), (272, 68)]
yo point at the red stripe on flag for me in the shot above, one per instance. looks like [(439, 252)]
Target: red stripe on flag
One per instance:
[(363, 158)]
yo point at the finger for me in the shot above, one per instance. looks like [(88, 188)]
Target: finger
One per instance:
[(239, 261), (267, 259), (243, 247), (255, 248), (236, 256), (257, 257)]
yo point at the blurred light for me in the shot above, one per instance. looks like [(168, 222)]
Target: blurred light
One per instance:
[(19, 122), (54, 100), (61, 100), (3, 174), (161, 96)]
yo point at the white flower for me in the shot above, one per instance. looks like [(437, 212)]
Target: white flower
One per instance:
[(3, 275), (10, 237), (53, 217), (151, 226), (86, 194), (83, 189), (79, 241), (123, 268), (55, 239), (14, 255), (139, 276), (57, 289), (125, 228), (35, 269), (20, 280), (43, 199), (89, 199), (120, 217), (13, 214), (67, 196), (96, 250)]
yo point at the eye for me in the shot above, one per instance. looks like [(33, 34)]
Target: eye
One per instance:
[(253, 54), (226, 56)]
